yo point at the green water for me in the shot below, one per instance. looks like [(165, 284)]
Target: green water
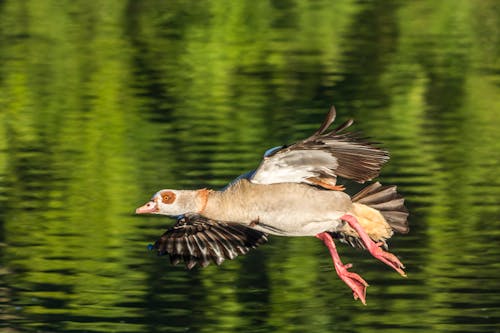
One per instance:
[(104, 102)]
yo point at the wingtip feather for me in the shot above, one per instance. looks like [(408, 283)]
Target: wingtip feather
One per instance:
[(329, 119)]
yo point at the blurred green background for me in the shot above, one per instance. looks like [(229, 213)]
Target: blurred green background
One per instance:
[(104, 102)]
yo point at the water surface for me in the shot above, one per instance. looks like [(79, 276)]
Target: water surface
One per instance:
[(102, 103)]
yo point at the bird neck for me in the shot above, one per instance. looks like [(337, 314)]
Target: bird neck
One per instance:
[(229, 204), (202, 198)]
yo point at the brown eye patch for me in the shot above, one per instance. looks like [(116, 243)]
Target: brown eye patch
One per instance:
[(168, 197)]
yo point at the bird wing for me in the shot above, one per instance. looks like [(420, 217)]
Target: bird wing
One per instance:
[(195, 239), (323, 156)]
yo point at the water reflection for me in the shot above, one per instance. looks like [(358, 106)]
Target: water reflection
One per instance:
[(102, 104)]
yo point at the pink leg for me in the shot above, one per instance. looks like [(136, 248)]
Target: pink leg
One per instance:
[(353, 280), (374, 248)]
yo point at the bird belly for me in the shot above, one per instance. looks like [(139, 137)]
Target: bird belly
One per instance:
[(292, 226)]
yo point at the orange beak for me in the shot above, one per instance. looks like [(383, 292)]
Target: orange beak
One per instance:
[(148, 208)]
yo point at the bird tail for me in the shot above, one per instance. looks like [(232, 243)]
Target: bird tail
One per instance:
[(380, 210), (388, 202)]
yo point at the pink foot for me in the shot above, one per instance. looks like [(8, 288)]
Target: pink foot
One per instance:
[(353, 280), (374, 248)]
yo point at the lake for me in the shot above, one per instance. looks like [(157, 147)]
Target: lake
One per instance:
[(103, 103)]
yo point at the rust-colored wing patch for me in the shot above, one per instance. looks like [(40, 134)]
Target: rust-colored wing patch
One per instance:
[(326, 183)]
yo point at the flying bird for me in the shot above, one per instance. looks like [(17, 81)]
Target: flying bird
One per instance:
[(293, 192)]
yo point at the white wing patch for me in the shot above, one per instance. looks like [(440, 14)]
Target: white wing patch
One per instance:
[(295, 166)]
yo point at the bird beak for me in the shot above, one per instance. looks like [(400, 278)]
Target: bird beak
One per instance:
[(148, 208)]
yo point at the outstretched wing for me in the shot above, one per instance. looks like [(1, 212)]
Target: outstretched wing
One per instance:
[(319, 159), (195, 239)]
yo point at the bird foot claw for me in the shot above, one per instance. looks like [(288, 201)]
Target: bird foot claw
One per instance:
[(387, 257), (354, 281)]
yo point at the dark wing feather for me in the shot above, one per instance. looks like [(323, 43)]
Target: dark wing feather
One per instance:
[(323, 156), (195, 239), (329, 119)]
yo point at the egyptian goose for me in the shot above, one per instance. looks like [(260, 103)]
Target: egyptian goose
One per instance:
[(293, 192)]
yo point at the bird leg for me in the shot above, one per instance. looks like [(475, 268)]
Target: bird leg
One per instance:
[(374, 248), (353, 280)]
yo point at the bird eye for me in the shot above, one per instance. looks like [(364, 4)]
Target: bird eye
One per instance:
[(168, 197)]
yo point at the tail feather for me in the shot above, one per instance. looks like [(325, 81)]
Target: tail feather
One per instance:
[(397, 220), (393, 205), (388, 202)]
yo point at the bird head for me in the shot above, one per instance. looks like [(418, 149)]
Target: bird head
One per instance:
[(172, 203)]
